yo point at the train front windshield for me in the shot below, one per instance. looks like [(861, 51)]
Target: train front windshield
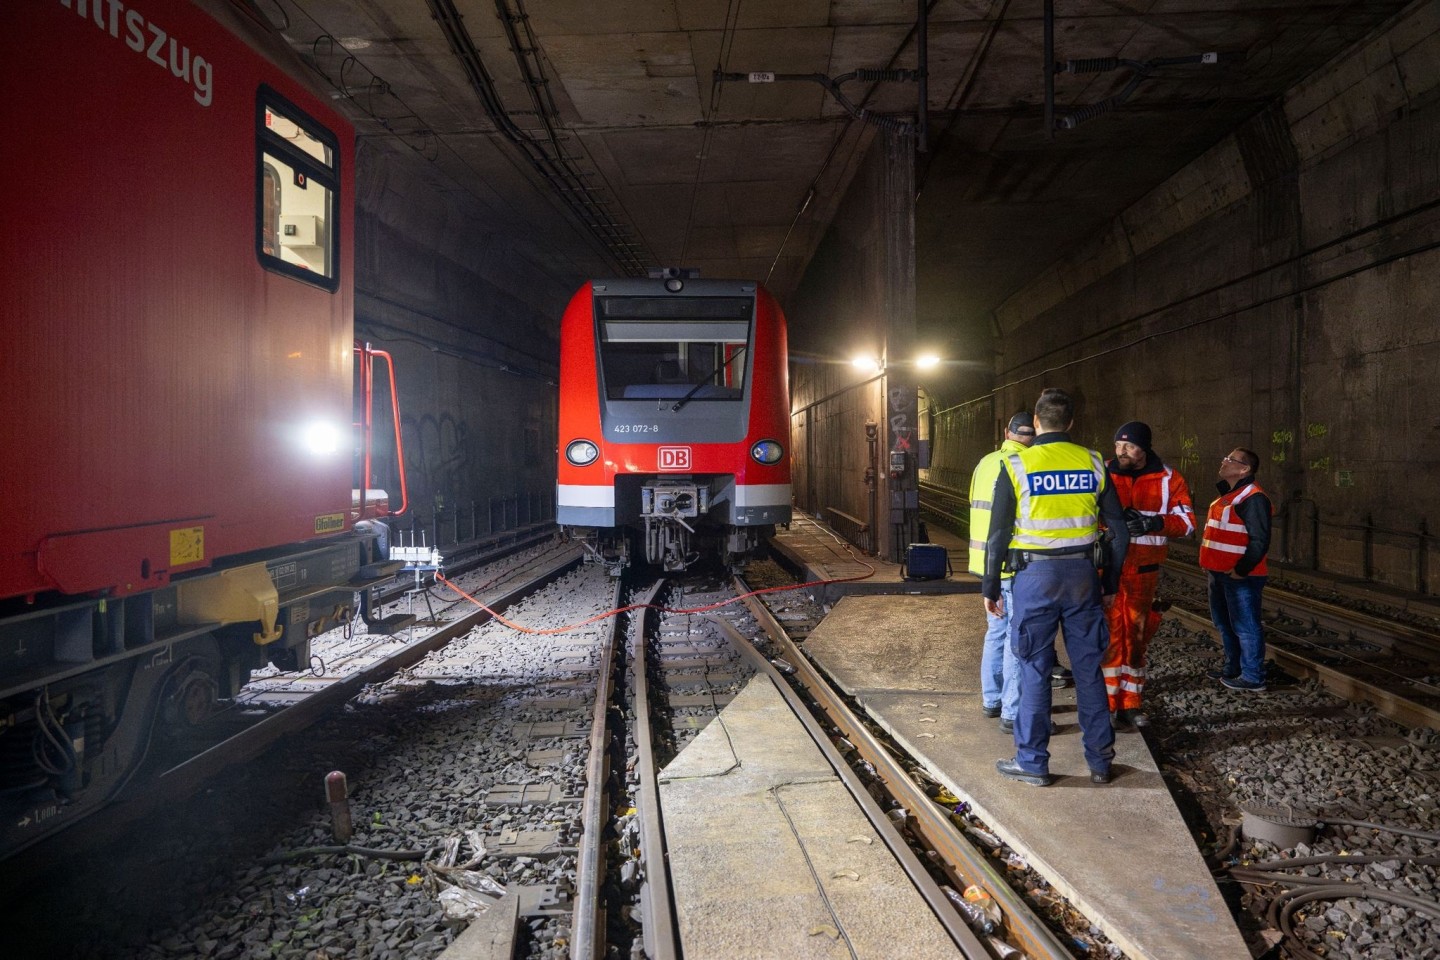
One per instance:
[(669, 348)]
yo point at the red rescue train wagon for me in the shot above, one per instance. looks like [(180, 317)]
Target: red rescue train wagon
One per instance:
[(674, 419), (180, 383)]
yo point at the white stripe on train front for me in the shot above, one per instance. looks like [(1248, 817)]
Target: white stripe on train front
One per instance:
[(762, 495), (585, 495)]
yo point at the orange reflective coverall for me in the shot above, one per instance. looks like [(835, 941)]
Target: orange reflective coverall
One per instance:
[(1155, 490)]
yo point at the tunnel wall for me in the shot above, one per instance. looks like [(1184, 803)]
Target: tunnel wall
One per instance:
[(473, 328), (840, 310), (1277, 294)]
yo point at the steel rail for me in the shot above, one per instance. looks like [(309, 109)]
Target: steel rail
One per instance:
[(1394, 638), (1388, 702), (957, 856), (179, 781), (305, 712), (587, 933), (1402, 639), (662, 940)]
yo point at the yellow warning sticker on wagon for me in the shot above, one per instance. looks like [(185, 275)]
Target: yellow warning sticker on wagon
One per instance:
[(330, 523), (187, 545)]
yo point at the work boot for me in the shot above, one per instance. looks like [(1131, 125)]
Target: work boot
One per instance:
[(1099, 776), (1009, 768), (991, 712), (1132, 718)]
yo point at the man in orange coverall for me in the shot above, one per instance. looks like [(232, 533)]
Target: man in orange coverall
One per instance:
[(1157, 506)]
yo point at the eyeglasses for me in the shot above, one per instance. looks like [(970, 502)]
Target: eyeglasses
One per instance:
[(1233, 460)]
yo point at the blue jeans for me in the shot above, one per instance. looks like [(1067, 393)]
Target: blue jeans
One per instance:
[(998, 686), (1235, 611), (1064, 594)]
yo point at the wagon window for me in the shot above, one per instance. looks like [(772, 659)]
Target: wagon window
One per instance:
[(664, 349), (297, 193)]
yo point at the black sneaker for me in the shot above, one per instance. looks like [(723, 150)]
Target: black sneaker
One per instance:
[(1220, 675), (1240, 683), (1009, 768), (1061, 678), (991, 712)]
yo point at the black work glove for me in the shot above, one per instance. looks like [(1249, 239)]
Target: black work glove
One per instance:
[(1139, 524)]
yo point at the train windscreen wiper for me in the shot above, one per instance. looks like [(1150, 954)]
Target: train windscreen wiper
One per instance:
[(718, 370)]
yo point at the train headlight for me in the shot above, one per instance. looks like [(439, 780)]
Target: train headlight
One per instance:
[(767, 451), (581, 452), (322, 438)]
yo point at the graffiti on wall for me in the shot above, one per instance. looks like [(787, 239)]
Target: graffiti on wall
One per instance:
[(1316, 431), (437, 457), (1189, 451), (1280, 441), (902, 402)]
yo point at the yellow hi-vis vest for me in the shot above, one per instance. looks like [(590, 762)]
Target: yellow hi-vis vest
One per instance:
[(1057, 497), (982, 488)]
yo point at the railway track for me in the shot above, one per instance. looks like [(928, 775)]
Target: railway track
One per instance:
[(1354, 639), (275, 705), (1358, 655), (559, 737), (930, 820), (682, 669)]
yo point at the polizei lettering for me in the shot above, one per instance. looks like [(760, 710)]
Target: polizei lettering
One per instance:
[(1062, 481), (149, 40)]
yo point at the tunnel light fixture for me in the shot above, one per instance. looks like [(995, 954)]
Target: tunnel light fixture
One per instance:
[(867, 364), (927, 361)]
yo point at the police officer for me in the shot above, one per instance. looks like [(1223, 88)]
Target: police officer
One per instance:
[(1048, 507), (999, 689)]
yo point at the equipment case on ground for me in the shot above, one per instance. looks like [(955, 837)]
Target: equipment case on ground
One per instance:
[(927, 561)]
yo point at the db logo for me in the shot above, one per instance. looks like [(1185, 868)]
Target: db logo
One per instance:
[(674, 458)]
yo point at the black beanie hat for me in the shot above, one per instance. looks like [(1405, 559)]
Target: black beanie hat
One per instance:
[(1134, 432)]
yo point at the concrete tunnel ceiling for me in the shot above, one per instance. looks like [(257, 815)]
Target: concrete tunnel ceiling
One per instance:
[(593, 138)]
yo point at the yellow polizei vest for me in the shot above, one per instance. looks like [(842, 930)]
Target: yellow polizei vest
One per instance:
[(1057, 496), (982, 488)]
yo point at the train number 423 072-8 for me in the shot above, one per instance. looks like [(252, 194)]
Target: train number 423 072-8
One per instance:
[(635, 428)]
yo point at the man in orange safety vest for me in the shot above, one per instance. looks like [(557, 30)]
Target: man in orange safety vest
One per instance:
[(1233, 550)]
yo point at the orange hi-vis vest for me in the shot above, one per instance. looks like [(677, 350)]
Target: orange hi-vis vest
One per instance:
[(1155, 493), (1225, 536)]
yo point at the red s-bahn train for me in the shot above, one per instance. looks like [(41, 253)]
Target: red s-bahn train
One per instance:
[(181, 380), (674, 419)]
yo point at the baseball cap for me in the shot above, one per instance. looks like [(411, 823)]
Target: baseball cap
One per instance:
[(1022, 424)]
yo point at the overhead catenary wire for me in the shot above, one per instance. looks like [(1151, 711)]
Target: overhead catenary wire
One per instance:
[(811, 190), (722, 56), (549, 162), (324, 45)]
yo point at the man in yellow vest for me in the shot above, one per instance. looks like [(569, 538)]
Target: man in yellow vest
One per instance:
[(999, 692), (1048, 506)]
